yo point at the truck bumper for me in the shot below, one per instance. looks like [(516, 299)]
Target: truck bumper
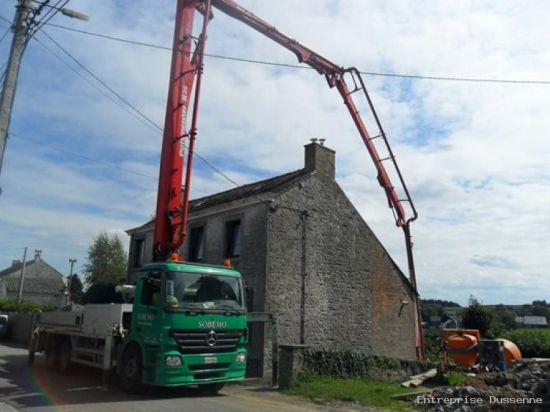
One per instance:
[(195, 369)]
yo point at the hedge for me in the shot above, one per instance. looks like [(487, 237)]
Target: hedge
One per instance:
[(533, 343), (11, 305)]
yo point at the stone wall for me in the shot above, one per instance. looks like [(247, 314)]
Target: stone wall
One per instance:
[(349, 364), (310, 258), (333, 285)]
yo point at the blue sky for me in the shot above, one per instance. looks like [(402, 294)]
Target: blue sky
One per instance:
[(475, 155)]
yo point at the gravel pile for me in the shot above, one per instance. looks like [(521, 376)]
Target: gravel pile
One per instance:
[(524, 388)]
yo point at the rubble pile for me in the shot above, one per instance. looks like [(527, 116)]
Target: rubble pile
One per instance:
[(526, 387)]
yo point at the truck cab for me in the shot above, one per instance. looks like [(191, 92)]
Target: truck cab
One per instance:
[(187, 327)]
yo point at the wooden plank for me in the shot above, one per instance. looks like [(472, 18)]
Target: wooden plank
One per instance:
[(418, 380)]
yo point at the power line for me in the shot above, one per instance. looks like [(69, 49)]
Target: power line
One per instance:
[(142, 116), (56, 8), (296, 66), (100, 90), (91, 159), (5, 34), (116, 166)]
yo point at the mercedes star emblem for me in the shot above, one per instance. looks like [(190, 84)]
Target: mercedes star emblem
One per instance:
[(211, 338)]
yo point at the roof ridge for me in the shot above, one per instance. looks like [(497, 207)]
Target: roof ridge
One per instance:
[(252, 189), (257, 182), (16, 267)]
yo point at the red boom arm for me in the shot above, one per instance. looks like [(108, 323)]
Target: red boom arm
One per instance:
[(172, 207)]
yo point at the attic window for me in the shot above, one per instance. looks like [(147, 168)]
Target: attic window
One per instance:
[(139, 252), (233, 238), (196, 244)]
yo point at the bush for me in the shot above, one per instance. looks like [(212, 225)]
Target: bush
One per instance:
[(11, 305), (533, 343), (102, 293)]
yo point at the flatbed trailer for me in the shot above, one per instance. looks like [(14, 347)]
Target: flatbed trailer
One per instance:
[(87, 336)]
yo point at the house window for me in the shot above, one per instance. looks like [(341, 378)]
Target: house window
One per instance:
[(139, 252), (233, 238), (196, 244)]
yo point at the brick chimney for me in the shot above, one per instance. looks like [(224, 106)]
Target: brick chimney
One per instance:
[(320, 159)]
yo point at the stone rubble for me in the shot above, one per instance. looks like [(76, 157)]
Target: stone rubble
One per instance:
[(526, 387)]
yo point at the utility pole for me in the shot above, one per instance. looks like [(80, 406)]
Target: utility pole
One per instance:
[(24, 19), (72, 262), (20, 29), (22, 277)]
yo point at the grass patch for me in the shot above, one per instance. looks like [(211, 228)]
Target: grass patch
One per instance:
[(449, 379), (364, 391), (456, 378)]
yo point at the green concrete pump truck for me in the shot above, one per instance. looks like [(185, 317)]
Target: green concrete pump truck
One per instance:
[(186, 326)]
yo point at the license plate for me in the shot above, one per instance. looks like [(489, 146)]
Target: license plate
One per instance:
[(210, 359)]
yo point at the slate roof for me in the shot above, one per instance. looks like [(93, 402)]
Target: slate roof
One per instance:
[(532, 320), (40, 278), (274, 185)]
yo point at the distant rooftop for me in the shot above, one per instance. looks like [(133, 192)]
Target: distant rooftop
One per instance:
[(532, 320)]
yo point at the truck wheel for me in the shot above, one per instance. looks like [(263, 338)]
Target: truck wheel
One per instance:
[(51, 360), (64, 357), (131, 368), (210, 388)]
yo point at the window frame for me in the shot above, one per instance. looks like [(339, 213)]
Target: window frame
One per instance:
[(191, 249), (138, 258), (229, 243)]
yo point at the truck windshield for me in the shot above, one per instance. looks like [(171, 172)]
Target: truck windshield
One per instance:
[(203, 291)]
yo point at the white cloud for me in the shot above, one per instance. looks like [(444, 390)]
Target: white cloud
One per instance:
[(475, 155)]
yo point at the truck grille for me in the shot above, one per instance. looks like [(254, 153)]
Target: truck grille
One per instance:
[(213, 341)]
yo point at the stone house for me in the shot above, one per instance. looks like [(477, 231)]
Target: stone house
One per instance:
[(42, 282), (306, 255)]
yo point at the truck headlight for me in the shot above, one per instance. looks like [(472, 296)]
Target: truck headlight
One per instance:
[(172, 361), (240, 358)]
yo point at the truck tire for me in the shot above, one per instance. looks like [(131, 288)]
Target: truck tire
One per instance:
[(64, 362), (51, 360), (30, 359), (131, 368), (210, 388)]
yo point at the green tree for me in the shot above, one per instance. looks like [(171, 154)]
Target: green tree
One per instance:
[(539, 308), (476, 316), (106, 263), (503, 321), (77, 288)]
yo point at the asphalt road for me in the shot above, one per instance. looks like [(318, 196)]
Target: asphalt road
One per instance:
[(37, 389)]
